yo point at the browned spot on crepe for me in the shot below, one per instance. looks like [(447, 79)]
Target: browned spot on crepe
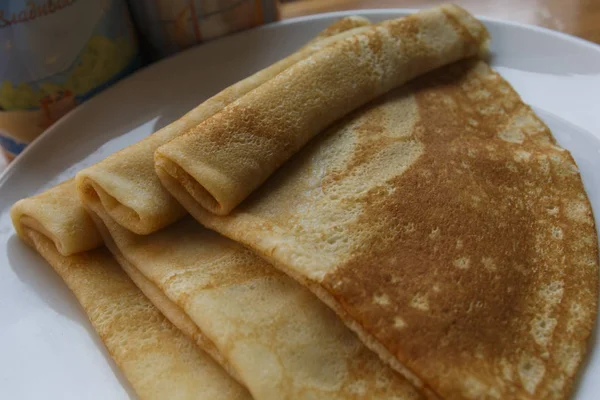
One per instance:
[(465, 241)]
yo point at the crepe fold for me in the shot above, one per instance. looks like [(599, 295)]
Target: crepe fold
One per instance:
[(155, 357), (55, 220), (447, 228), (269, 332), (223, 159), (57, 214), (125, 183), (342, 25)]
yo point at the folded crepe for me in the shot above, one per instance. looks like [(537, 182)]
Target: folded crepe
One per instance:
[(71, 231), (445, 226), (58, 215), (125, 183), (155, 357), (222, 160), (268, 331), (342, 25)]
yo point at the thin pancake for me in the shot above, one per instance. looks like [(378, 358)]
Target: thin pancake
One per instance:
[(125, 183), (342, 25), (274, 335), (171, 310), (448, 229), (57, 214), (222, 160), (156, 358)]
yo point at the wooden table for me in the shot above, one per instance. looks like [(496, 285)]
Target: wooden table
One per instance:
[(577, 17)]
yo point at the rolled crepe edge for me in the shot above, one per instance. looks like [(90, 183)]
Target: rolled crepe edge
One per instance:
[(184, 197), (26, 224), (91, 193), (23, 220), (342, 25), (217, 193)]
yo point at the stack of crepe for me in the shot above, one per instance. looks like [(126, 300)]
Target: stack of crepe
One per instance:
[(387, 220)]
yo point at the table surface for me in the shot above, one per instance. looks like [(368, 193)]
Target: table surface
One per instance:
[(576, 17)]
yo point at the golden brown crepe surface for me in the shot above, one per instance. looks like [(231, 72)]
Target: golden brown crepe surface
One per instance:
[(445, 215), (157, 359), (447, 228), (171, 310), (223, 159), (274, 335), (125, 183), (129, 325), (57, 214), (342, 25)]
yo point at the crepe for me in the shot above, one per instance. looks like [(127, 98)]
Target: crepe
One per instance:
[(222, 160), (125, 183), (57, 214), (339, 26), (448, 229), (155, 357), (272, 334)]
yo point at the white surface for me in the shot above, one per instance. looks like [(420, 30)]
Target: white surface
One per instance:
[(47, 347)]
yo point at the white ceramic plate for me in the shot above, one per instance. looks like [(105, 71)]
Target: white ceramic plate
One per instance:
[(48, 348)]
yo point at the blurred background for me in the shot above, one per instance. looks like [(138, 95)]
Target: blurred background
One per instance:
[(577, 17), (56, 54)]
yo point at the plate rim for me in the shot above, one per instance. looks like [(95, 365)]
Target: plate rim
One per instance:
[(13, 165), (372, 11)]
